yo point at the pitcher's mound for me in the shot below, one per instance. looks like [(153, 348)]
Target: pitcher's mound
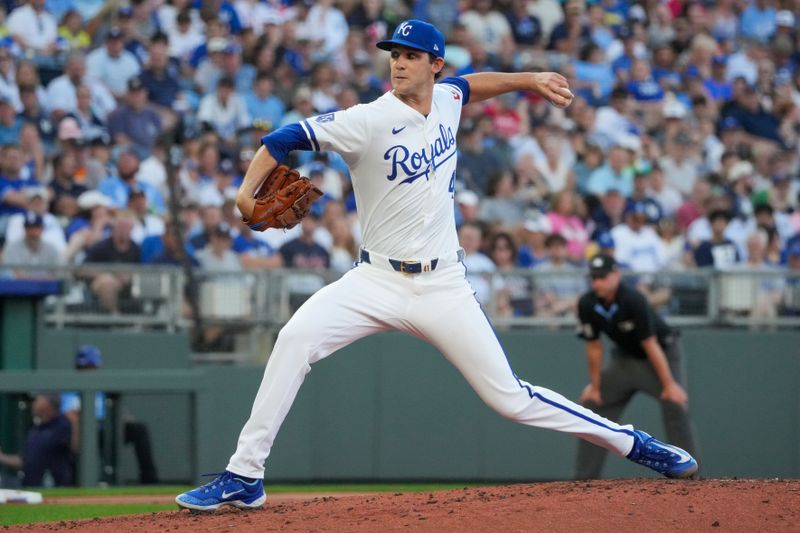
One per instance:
[(596, 506)]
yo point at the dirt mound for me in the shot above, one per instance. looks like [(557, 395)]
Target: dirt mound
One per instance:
[(619, 505)]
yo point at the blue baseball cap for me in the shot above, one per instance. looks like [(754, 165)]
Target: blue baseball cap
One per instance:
[(416, 34), (87, 356), (605, 240)]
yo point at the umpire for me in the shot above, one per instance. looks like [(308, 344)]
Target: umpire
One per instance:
[(645, 357)]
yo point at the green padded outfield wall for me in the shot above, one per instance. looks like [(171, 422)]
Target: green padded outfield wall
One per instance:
[(390, 407)]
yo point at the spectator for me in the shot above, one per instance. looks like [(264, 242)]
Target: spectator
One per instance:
[(72, 32), (12, 196), (470, 236), (637, 244), (31, 250), (681, 164), (10, 123), (185, 34), (641, 195), (255, 253), (758, 20), (304, 252), (609, 213), (92, 225), (90, 125), (243, 74), (35, 30), (62, 91), (534, 231), (112, 64), (135, 123), (147, 224), (475, 162), (111, 287), (118, 187), (344, 250), (676, 251), (488, 26), (557, 295), (326, 26), (614, 174), (224, 111), (502, 205), (46, 449), (364, 81), (219, 256), (564, 220), (161, 77), (89, 358), (38, 203), (513, 291), (467, 207), (718, 252), (668, 197), (262, 104)]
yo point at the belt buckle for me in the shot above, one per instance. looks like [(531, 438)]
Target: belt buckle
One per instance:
[(408, 266)]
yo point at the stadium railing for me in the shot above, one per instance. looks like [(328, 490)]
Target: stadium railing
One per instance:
[(157, 297)]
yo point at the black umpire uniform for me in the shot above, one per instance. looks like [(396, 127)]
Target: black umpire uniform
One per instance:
[(627, 321)]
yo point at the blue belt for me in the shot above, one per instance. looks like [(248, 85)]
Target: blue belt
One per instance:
[(407, 266)]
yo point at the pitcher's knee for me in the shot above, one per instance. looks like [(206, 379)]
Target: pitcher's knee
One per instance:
[(510, 406)]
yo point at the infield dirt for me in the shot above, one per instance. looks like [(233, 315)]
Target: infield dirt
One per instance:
[(597, 506)]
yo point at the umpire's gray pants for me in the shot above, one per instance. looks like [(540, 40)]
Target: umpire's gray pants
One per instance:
[(620, 380)]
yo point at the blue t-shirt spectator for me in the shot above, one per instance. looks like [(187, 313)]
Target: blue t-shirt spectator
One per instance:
[(758, 23), (645, 91)]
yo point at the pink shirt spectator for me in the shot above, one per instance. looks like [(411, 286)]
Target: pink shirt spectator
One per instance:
[(573, 230)]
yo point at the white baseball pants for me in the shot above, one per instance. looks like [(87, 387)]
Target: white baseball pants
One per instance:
[(438, 307)]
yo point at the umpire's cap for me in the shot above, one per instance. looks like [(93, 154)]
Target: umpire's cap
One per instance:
[(416, 34), (601, 264), (87, 356)]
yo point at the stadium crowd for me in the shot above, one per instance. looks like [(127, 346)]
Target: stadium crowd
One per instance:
[(680, 150)]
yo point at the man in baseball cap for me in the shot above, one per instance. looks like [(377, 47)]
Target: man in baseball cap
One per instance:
[(418, 35)]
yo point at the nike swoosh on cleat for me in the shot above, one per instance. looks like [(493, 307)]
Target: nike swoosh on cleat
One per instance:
[(395, 131), (685, 457), (226, 495)]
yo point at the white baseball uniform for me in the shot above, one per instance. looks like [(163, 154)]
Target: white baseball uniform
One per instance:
[(403, 170)]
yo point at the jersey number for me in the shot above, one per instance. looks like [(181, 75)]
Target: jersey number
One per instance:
[(452, 187)]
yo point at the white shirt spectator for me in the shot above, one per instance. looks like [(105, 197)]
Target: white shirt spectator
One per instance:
[(36, 30), (114, 72), (668, 198), (151, 225), (255, 14), (641, 251), (681, 175), (490, 29), (61, 95), (477, 264), (330, 24), (181, 45), (739, 64), (53, 233), (226, 119)]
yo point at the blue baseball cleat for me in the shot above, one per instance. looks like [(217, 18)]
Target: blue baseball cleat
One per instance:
[(226, 489), (665, 459)]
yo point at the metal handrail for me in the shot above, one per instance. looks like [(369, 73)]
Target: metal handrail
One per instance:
[(268, 298)]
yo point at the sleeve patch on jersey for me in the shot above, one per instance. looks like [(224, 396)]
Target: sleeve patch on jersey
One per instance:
[(327, 117)]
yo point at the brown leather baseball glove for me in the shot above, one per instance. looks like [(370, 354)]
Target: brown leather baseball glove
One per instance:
[(282, 200)]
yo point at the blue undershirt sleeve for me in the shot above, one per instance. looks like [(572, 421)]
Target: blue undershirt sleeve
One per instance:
[(462, 84), (285, 139)]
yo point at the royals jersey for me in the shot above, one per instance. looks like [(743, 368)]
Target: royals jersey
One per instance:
[(403, 168)]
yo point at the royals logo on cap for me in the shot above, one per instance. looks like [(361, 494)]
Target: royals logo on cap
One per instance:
[(416, 34)]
